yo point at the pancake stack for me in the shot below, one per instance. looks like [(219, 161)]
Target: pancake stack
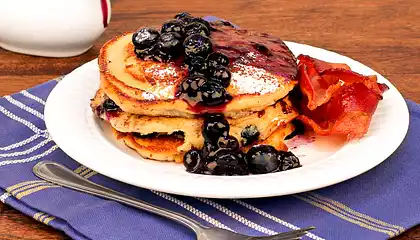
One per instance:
[(139, 99)]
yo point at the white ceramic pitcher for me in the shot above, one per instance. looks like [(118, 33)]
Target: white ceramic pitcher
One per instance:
[(52, 28)]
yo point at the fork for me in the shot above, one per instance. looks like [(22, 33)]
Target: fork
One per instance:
[(60, 175)]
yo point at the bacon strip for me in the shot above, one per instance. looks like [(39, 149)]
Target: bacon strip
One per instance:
[(337, 100), (320, 65)]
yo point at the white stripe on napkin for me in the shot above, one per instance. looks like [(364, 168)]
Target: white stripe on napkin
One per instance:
[(193, 210), (274, 218), (30, 159), (24, 107), (27, 151), (20, 120), (238, 217), (33, 97), (21, 143)]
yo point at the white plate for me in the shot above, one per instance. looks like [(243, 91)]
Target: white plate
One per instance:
[(325, 161)]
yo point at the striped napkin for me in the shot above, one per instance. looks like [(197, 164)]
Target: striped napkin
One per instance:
[(379, 204)]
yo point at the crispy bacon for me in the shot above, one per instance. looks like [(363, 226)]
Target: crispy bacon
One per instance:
[(320, 65), (337, 100)]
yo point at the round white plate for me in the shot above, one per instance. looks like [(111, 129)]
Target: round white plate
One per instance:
[(325, 160)]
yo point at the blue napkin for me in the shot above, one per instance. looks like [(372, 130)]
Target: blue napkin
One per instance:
[(379, 204)]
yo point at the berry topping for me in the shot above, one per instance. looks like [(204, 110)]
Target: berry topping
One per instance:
[(169, 45), (202, 21), (197, 65), (197, 28), (229, 143), (173, 26), (217, 58), (249, 135), (288, 160), (263, 159), (187, 20), (213, 94), (209, 150), (188, 38), (110, 105), (189, 89), (145, 38), (193, 161), (221, 75), (224, 23), (197, 45), (183, 15), (214, 128), (263, 49), (227, 163), (147, 53)]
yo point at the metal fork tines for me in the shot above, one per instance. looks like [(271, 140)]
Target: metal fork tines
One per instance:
[(296, 234)]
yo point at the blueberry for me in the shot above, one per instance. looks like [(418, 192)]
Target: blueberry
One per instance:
[(229, 143), (196, 28), (183, 15), (173, 26), (288, 160), (197, 45), (210, 167), (263, 49), (213, 94), (229, 24), (146, 54), (217, 58), (160, 56), (220, 74), (227, 163), (110, 105), (145, 38), (169, 45), (214, 128), (263, 159), (249, 135), (193, 161), (190, 85), (224, 23), (197, 65), (202, 21), (209, 150), (187, 20)]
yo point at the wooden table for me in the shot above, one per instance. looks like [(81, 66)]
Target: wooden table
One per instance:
[(381, 34)]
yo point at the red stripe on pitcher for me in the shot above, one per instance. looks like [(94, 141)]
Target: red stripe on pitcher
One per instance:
[(104, 5)]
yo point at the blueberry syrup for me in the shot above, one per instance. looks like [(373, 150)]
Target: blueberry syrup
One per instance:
[(261, 113), (200, 109), (258, 50), (112, 114)]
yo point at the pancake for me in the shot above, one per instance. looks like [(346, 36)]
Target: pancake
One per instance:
[(266, 121), (263, 71), (164, 147)]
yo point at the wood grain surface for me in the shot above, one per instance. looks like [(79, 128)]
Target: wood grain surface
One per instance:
[(384, 35)]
